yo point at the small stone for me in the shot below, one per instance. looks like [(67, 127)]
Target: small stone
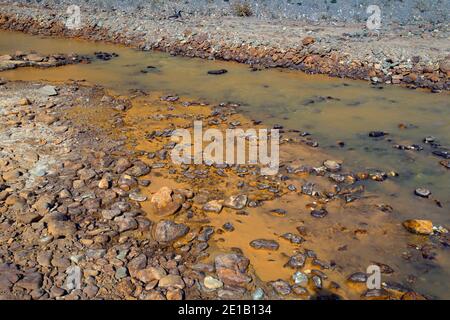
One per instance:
[(319, 213), (32, 281), (281, 287), (297, 261), (264, 244), (236, 202), (104, 184), (422, 192), (171, 281), (150, 274), (213, 206), (377, 134), (421, 227), (212, 283), (167, 231), (300, 277), (332, 165), (231, 269), (359, 277), (258, 294), (48, 91), (217, 72), (126, 223), (121, 273), (137, 197)]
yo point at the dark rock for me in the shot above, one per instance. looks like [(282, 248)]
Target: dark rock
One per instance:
[(264, 244)]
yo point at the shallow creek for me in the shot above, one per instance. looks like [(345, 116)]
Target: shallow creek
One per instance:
[(331, 110)]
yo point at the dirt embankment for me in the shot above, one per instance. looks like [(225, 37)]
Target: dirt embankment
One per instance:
[(410, 55)]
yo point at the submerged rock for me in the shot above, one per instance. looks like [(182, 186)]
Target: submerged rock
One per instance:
[(422, 227), (422, 192), (217, 72)]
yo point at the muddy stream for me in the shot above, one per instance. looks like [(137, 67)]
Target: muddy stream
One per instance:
[(337, 113)]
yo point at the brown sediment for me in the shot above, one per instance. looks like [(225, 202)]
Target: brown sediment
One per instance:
[(306, 56)]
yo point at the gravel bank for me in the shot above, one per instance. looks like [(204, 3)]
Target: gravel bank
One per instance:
[(412, 55)]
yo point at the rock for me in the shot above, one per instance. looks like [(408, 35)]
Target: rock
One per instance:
[(296, 261), (308, 41), (126, 223), (104, 184), (281, 287), (377, 134), (48, 91), (319, 213), (212, 283), (213, 206), (31, 281), (422, 192), (231, 269), (171, 281), (445, 164), (121, 272), (264, 244), (299, 277), (44, 204), (122, 165), (139, 169), (359, 277), (332, 165), (58, 225), (135, 196), (217, 72), (236, 202), (163, 204), (150, 274), (167, 231), (90, 291), (111, 214), (258, 294), (34, 57), (422, 227)]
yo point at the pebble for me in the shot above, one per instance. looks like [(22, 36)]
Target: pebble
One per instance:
[(300, 277), (212, 283), (422, 192), (281, 287), (264, 244), (258, 294)]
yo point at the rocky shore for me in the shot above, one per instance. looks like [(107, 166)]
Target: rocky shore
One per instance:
[(413, 55)]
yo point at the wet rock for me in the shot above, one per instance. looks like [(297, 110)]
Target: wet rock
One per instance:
[(167, 231), (213, 206), (265, 244), (421, 227), (318, 283), (281, 287), (231, 269), (228, 227), (359, 277), (258, 294), (445, 164), (422, 192), (217, 72), (296, 261), (163, 204), (377, 134), (332, 165), (319, 213), (236, 202), (442, 154), (293, 238), (300, 277), (212, 283)]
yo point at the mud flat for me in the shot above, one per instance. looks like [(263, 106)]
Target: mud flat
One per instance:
[(412, 55)]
